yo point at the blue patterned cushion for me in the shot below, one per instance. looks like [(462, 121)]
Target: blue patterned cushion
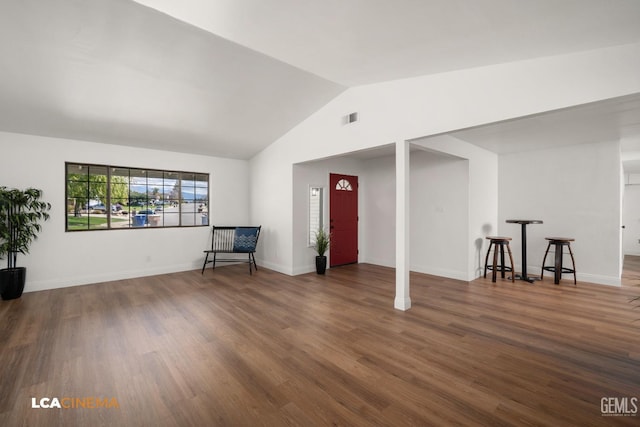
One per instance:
[(245, 239)]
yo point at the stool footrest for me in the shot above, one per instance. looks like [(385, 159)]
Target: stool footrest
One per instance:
[(553, 269), (499, 268)]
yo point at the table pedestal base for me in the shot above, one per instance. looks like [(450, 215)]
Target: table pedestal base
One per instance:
[(529, 279), (523, 227)]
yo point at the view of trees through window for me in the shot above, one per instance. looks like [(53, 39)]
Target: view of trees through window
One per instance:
[(111, 197)]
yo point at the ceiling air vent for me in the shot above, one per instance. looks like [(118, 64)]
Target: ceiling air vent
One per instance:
[(353, 117)]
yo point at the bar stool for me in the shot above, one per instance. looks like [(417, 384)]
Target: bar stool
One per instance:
[(557, 268), (498, 244)]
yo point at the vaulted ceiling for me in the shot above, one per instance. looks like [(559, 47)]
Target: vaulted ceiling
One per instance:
[(229, 77)]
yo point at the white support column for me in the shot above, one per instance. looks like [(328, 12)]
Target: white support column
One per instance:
[(403, 300)]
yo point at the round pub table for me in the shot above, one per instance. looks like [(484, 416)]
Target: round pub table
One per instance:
[(523, 224)]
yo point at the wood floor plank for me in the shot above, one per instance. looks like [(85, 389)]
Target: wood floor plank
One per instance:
[(231, 349)]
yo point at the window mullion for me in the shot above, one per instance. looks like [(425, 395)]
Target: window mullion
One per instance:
[(108, 201), (180, 199), (118, 186)]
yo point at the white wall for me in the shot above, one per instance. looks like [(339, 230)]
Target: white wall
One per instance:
[(412, 108), (575, 190), (482, 182), (439, 212), (631, 216), (61, 259), (379, 211), (271, 206), (317, 174), (630, 187)]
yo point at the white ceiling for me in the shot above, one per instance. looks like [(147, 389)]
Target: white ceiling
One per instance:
[(117, 72), (228, 77), (610, 120), (355, 42)]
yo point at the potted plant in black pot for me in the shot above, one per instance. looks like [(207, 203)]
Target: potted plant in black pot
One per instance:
[(321, 246), (21, 212)]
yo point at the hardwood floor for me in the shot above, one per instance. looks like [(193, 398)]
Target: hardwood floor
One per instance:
[(226, 348), (631, 271)]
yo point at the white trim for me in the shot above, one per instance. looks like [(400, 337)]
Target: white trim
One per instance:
[(100, 278), (440, 272), (403, 226)]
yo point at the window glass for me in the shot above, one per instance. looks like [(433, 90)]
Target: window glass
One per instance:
[(316, 206), (115, 197), (343, 185)]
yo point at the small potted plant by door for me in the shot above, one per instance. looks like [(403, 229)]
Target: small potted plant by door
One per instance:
[(20, 216), (321, 246)]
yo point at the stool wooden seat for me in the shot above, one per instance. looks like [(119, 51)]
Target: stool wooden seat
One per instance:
[(498, 243), (557, 268)]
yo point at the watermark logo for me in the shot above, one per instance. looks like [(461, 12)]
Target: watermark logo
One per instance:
[(73, 402), (619, 406)]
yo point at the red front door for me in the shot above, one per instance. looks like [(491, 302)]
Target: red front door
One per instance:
[(343, 219)]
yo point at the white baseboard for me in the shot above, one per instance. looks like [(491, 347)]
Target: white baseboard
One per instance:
[(380, 262), (41, 285), (594, 278), (305, 269), (598, 279), (449, 274), (275, 267)]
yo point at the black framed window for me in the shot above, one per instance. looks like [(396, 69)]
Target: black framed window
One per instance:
[(104, 197)]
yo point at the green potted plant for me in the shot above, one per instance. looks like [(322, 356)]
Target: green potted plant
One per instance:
[(20, 214), (321, 245)]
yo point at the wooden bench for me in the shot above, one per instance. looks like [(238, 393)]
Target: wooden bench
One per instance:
[(233, 240)]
